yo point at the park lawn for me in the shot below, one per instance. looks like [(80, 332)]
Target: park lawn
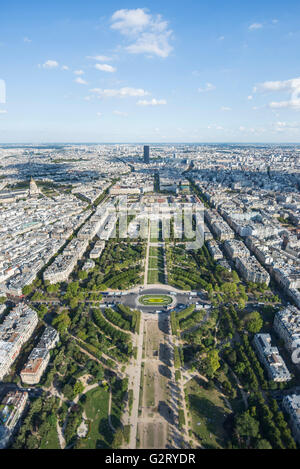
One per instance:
[(153, 276), (153, 263), (50, 441), (156, 276), (149, 387), (153, 251), (96, 408), (208, 412)]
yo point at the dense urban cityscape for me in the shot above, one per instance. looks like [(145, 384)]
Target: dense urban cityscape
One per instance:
[(122, 328), (149, 230)]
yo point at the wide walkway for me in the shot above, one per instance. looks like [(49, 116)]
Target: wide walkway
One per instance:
[(134, 377)]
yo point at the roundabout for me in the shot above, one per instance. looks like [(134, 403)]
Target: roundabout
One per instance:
[(155, 300)]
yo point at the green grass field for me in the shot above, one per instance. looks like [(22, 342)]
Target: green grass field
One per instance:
[(208, 412), (160, 300), (96, 408), (153, 251), (152, 276), (50, 441), (156, 265)]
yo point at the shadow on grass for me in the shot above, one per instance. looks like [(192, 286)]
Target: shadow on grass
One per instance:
[(213, 416), (165, 411), (106, 432)]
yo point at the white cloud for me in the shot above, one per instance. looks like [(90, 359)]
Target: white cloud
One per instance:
[(292, 104), (105, 68), (50, 64), (215, 126), (207, 87), (3, 111), (285, 85), (149, 34), (250, 97), (152, 44), (99, 114), (152, 102), (80, 81), (226, 108), (291, 86), (79, 72), (122, 92), (100, 58), (286, 126), (130, 21), (120, 113), (27, 40), (65, 67), (221, 38), (255, 26)]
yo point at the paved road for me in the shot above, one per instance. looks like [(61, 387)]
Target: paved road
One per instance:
[(131, 299), (134, 376)]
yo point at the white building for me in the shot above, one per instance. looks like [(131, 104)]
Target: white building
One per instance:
[(15, 330), (291, 404), (287, 326), (271, 358)]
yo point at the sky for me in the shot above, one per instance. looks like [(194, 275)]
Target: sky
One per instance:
[(150, 71)]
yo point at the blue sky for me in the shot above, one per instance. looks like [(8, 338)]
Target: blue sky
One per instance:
[(171, 71)]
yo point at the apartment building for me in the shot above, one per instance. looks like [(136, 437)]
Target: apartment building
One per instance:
[(63, 265), (214, 250), (39, 357), (251, 271), (287, 326), (291, 405), (11, 409), (35, 366), (235, 248), (15, 330), (97, 250), (271, 358)]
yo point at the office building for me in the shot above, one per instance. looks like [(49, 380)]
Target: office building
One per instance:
[(146, 154)]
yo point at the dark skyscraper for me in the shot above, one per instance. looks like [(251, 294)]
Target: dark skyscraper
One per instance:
[(146, 154)]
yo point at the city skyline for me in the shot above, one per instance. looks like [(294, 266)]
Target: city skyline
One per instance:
[(150, 73), (132, 288)]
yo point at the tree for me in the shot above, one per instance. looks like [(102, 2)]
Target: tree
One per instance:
[(62, 322), (240, 368), (254, 322), (68, 391), (78, 388), (231, 356), (247, 426), (229, 288), (263, 444), (32, 442), (211, 363), (83, 275), (27, 289), (73, 303), (241, 303), (118, 439), (235, 277)]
